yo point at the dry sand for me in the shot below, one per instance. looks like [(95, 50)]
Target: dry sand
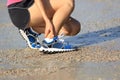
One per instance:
[(98, 57)]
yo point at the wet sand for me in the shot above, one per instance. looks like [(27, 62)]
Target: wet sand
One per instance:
[(98, 56), (89, 63)]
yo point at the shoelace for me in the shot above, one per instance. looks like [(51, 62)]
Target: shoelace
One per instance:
[(60, 38), (65, 43)]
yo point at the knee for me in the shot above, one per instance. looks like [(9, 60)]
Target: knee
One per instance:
[(73, 27), (70, 4), (76, 29)]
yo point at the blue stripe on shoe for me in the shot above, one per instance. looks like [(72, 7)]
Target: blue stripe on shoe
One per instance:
[(58, 45), (35, 45), (31, 38)]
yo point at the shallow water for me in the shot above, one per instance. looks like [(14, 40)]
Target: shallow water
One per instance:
[(74, 71)]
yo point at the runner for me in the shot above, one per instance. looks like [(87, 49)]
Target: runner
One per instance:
[(51, 17)]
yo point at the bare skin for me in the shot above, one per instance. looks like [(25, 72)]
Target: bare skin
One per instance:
[(51, 18)]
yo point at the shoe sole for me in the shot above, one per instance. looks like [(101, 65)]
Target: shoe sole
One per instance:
[(55, 50), (25, 38)]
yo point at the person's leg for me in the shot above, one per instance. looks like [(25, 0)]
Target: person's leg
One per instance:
[(20, 17), (58, 13), (71, 27), (36, 19), (63, 9)]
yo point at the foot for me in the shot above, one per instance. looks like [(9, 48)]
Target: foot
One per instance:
[(57, 45), (31, 38)]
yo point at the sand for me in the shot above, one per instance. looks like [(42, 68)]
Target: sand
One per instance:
[(89, 63), (98, 56)]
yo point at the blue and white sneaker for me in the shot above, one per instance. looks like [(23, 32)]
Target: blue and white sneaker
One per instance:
[(31, 38), (57, 45)]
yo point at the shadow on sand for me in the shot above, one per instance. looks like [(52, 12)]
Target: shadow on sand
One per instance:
[(95, 37)]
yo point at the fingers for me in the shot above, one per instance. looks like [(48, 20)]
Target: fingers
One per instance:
[(52, 31), (46, 32), (49, 33), (49, 30)]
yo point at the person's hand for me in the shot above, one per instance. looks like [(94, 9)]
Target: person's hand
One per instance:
[(49, 29)]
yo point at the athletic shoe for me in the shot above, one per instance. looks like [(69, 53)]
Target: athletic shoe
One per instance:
[(57, 45), (31, 38)]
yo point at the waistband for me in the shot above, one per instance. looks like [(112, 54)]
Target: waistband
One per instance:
[(10, 2)]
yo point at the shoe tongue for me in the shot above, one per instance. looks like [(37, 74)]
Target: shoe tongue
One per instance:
[(48, 40)]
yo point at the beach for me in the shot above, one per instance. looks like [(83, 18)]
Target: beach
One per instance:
[(97, 58)]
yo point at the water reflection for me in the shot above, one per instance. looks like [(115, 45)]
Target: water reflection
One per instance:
[(98, 71)]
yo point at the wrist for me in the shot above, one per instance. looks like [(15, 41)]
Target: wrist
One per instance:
[(46, 20)]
